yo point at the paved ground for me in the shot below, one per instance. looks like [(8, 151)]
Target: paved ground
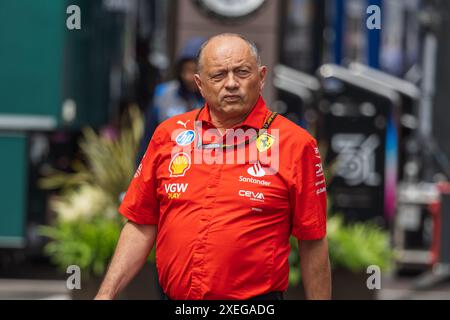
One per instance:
[(39, 281), (403, 288), (18, 289)]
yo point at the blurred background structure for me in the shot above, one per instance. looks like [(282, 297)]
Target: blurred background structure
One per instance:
[(376, 100)]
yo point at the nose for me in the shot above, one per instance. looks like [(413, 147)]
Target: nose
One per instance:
[(231, 83)]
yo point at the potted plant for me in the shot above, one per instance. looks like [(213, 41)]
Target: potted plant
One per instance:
[(353, 248), (87, 225)]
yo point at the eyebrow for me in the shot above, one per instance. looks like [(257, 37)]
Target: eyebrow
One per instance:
[(237, 66)]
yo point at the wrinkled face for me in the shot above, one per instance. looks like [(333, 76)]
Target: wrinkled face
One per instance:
[(230, 79), (187, 73)]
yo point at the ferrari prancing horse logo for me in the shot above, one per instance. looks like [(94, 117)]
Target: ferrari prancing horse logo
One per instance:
[(264, 142)]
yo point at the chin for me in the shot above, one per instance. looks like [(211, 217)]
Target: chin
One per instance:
[(233, 108)]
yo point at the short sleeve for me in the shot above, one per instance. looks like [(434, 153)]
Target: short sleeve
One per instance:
[(308, 197), (140, 203)]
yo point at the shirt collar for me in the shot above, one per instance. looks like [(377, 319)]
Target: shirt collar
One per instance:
[(255, 118)]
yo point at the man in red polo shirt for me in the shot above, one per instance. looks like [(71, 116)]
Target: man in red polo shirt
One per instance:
[(221, 189)]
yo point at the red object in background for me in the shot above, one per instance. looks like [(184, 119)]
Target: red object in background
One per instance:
[(436, 211)]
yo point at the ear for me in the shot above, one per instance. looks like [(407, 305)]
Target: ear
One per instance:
[(198, 81), (262, 76)]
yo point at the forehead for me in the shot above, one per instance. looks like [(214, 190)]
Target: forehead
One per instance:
[(223, 51)]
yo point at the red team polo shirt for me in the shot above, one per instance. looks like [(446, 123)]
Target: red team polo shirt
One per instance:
[(224, 227)]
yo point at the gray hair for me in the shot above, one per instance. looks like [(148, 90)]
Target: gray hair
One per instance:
[(253, 48)]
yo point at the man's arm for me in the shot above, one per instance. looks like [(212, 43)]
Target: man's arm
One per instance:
[(315, 269), (133, 248)]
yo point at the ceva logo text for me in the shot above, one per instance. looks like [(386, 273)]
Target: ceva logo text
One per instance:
[(255, 196)]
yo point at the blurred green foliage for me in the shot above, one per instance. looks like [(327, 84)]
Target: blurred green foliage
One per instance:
[(87, 224), (88, 244), (353, 247), (356, 246)]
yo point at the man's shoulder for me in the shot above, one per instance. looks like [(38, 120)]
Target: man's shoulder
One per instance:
[(181, 121)]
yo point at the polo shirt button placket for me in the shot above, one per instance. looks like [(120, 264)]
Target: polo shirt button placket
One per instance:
[(198, 272)]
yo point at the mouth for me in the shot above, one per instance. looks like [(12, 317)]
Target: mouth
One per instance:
[(232, 98)]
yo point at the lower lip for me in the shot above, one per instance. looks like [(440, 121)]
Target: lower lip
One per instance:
[(232, 99)]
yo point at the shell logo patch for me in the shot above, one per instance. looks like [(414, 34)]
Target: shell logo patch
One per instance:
[(264, 142), (179, 165)]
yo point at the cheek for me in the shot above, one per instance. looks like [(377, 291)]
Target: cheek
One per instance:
[(252, 87), (212, 90)]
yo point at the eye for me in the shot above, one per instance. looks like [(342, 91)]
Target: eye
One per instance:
[(217, 76), (243, 72)]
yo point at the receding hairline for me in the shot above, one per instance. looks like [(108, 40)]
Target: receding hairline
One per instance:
[(252, 46)]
